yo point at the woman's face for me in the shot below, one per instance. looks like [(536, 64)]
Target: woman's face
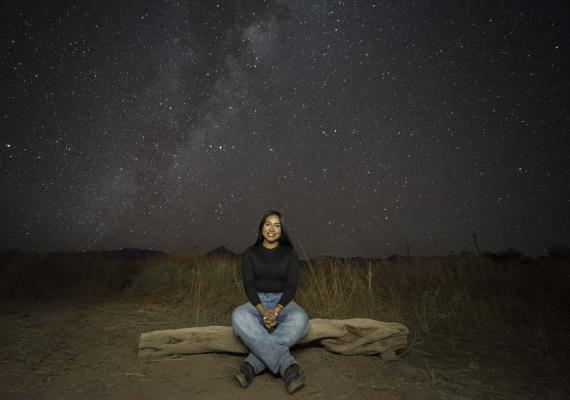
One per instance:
[(272, 229)]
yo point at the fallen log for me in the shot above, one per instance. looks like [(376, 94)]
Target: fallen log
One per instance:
[(342, 336)]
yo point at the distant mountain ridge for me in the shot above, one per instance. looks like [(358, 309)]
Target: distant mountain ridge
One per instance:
[(137, 254), (221, 251), (128, 253)]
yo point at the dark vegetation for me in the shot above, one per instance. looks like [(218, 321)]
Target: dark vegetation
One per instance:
[(454, 293), (487, 326)]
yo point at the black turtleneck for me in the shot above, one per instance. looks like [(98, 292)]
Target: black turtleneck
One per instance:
[(270, 270)]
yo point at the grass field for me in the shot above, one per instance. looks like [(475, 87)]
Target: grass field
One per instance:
[(455, 294), (480, 328)]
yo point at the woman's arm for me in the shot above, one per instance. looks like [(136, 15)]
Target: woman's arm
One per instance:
[(291, 281), (248, 280)]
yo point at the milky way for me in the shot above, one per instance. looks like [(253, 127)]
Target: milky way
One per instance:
[(369, 125)]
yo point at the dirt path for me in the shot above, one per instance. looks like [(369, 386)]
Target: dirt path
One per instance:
[(88, 350)]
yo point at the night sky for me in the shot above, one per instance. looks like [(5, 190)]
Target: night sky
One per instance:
[(370, 125)]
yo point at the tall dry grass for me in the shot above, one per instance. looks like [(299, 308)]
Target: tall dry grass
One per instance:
[(454, 294), (457, 295), (207, 288)]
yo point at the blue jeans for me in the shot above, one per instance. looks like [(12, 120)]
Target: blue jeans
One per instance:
[(270, 349)]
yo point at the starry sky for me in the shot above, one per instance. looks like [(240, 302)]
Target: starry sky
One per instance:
[(371, 125)]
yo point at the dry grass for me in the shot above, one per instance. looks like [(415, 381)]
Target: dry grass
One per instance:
[(456, 294), (208, 288)]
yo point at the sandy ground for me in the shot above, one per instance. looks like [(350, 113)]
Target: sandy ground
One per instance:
[(88, 350)]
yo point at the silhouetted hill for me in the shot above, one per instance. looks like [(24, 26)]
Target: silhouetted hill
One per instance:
[(354, 260), (129, 253), (326, 259), (221, 251), (136, 254)]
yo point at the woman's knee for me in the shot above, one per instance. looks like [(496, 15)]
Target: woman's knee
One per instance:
[(298, 314), (237, 316), (307, 324), (304, 321), (240, 314)]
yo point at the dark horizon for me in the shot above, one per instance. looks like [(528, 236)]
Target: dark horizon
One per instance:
[(299, 248), (556, 250), (370, 126)]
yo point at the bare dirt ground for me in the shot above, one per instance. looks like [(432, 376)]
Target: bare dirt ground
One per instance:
[(88, 350)]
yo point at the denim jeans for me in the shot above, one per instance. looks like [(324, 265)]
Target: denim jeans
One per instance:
[(270, 349)]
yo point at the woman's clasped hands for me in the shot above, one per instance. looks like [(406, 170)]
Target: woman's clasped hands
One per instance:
[(270, 316)]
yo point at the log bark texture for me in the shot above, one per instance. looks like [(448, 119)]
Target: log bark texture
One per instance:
[(342, 336)]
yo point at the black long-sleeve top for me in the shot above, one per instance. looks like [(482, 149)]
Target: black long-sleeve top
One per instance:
[(270, 270)]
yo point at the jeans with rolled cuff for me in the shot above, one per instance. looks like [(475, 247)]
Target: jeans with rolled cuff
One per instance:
[(270, 349)]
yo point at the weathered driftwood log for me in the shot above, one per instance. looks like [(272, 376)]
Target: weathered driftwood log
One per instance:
[(346, 336)]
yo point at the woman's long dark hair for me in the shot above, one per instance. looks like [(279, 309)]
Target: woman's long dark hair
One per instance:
[(283, 239)]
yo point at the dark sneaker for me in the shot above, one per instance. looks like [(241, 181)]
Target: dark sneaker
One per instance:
[(245, 374), (293, 377)]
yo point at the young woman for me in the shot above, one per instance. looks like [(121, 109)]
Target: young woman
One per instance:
[(270, 322)]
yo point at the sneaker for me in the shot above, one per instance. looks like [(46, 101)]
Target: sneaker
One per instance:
[(293, 377), (245, 374)]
